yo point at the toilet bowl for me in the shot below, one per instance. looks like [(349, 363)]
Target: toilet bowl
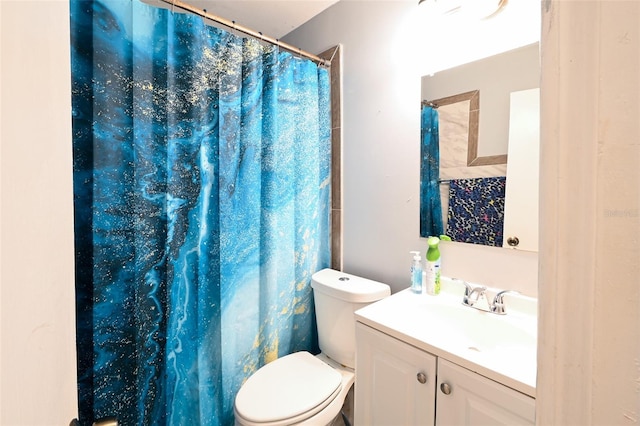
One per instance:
[(303, 389)]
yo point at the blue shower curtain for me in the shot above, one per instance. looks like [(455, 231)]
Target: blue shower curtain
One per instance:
[(430, 202), (201, 182)]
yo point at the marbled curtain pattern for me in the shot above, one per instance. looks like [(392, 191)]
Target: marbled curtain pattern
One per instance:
[(201, 181), (430, 204)]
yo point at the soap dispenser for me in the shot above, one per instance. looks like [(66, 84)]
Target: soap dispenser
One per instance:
[(416, 272)]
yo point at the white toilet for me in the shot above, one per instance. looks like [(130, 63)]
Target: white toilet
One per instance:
[(303, 389)]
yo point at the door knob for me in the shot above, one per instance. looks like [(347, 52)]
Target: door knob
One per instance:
[(445, 388), (422, 378)]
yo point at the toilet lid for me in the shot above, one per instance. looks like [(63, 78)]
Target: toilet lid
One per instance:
[(287, 387)]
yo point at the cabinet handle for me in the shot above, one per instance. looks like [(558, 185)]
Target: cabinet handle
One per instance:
[(422, 378), (445, 388), (513, 241)]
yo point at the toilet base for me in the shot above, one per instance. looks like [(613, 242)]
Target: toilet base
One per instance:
[(345, 416)]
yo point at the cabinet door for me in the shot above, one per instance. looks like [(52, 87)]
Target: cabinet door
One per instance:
[(466, 398), (521, 196), (395, 382)]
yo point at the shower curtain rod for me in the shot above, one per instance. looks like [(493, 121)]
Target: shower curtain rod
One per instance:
[(255, 34)]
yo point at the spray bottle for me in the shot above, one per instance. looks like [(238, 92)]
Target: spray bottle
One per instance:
[(432, 272)]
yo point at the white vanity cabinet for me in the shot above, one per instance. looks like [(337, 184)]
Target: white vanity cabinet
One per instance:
[(399, 384), (466, 398), (396, 382)]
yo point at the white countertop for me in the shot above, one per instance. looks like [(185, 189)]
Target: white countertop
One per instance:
[(499, 347)]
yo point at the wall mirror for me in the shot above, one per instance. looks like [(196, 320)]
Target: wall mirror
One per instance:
[(482, 119)]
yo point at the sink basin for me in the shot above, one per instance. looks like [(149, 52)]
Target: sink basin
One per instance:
[(480, 331)]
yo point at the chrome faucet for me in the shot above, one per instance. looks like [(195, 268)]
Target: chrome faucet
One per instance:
[(472, 294), (497, 307)]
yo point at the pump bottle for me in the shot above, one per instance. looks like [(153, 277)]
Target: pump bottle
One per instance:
[(416, 273)]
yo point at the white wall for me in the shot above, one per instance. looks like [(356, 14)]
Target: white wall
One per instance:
[(388, 46), (37, 304)]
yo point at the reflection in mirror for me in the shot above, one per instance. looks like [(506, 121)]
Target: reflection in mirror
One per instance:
[(472, 206), (459, 114), (473, 139)]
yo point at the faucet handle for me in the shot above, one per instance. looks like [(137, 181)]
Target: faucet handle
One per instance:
[(472, 294), (497, 307)]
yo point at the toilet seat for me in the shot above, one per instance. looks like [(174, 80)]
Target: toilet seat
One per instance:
[(288, 390)]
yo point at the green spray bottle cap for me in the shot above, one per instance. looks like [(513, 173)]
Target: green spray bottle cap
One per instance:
[(433, 253)]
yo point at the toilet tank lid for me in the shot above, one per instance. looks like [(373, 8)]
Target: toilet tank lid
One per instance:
[(347, 287)]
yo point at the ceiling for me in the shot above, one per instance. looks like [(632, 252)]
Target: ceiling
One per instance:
[(272, 18)]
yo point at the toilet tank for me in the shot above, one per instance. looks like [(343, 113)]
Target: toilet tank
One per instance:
[(337, 296)]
